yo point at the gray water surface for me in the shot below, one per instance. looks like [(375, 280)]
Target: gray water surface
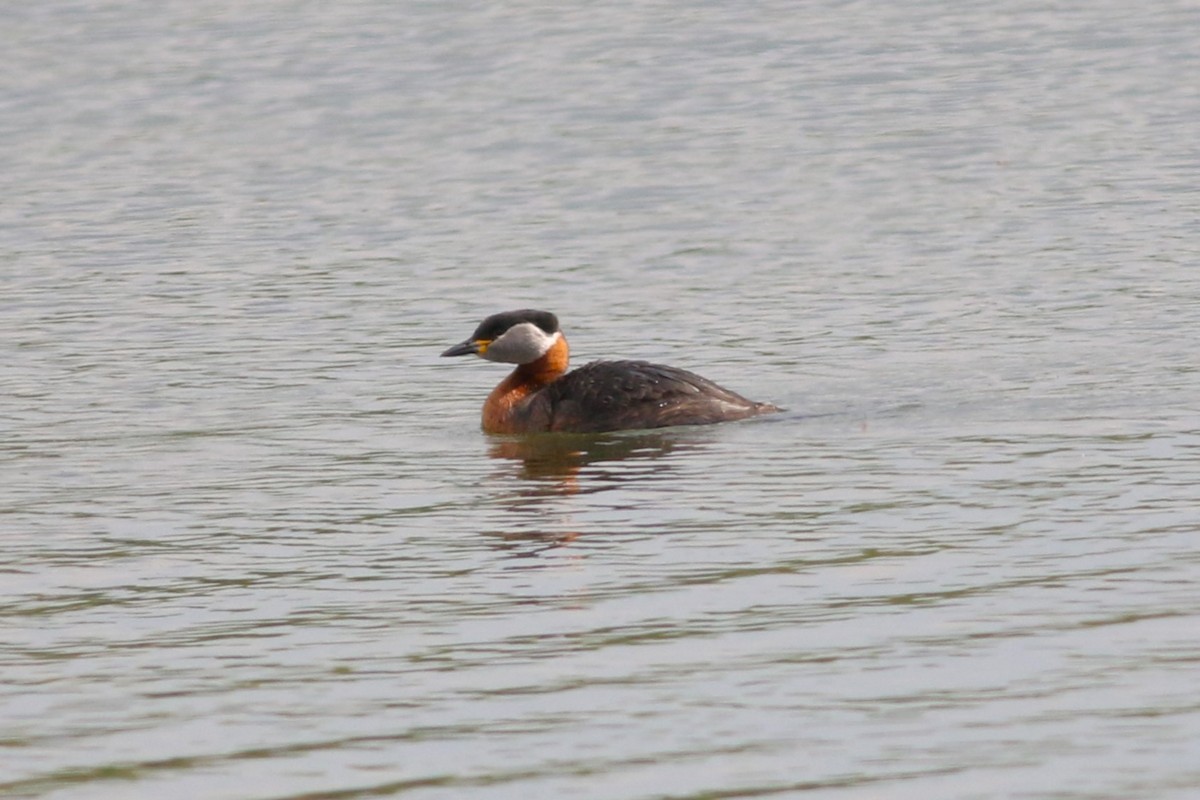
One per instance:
[(254, 544)]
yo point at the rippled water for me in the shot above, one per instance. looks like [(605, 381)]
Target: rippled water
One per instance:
[(255, 546)]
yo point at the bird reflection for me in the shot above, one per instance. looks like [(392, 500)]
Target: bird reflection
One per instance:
[(557, 457), (554, 465)]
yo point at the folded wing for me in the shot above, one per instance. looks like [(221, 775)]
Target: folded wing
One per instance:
[(612, 395)]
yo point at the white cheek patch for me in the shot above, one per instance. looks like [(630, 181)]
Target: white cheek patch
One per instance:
[(521, 344)]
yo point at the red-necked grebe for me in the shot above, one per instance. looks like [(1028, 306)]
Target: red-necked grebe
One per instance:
[(540, 395)]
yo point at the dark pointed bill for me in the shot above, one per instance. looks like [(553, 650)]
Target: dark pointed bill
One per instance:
[(467, 348)]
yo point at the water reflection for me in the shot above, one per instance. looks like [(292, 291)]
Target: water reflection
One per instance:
[(541, 469), (557, 459)]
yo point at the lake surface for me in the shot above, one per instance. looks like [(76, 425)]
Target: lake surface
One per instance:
[(254, 544)]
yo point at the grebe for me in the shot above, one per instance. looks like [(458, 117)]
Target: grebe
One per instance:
[(540, 395)]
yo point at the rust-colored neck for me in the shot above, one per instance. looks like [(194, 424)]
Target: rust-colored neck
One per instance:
[(546, 369), (501, 410)]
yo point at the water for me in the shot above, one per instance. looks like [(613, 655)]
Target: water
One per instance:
[(255, 546)]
